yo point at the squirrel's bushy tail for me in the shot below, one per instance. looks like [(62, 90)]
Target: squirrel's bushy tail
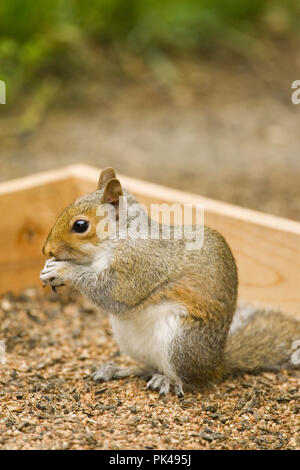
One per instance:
[(262, 340)]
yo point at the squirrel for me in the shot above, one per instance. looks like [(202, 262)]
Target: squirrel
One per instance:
[(172, 310)]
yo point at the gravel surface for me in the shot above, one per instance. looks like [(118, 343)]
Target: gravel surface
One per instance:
[(48, 400)]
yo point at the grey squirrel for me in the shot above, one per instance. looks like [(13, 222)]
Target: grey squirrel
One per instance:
[(173, 310)]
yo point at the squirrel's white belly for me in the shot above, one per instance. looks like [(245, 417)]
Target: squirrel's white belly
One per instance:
[(147, 335)]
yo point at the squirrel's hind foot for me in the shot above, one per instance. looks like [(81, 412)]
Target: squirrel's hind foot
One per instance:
[(162, 385), (178, 390), (105, 372), (110, 371)]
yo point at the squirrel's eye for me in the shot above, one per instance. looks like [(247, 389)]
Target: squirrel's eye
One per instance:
[(80, 226)]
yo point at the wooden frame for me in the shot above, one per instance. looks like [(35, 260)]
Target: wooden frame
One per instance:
[(267, 248)]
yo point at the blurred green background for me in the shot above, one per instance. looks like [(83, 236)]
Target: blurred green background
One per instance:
[(186, 93), (51, 38)]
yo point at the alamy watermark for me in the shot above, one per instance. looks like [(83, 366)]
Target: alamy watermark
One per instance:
[(296, 94), (2, 352), (134, 222), (2, 92)]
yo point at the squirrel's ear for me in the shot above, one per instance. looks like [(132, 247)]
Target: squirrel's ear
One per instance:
[(112, 192), (106, 175)]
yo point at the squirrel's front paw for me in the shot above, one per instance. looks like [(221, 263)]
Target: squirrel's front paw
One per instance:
[(54, 273)]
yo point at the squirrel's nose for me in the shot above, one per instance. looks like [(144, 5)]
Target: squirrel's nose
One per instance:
[(48, 251)]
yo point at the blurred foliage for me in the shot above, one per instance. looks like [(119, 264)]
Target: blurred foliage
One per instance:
[(43, 42)]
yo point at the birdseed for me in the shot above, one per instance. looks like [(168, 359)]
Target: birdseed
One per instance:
[(49, 401)]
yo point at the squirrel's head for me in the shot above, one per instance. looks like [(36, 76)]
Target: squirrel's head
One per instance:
[(74, 235)]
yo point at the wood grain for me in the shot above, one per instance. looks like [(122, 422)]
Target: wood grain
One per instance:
[(267, 248)]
